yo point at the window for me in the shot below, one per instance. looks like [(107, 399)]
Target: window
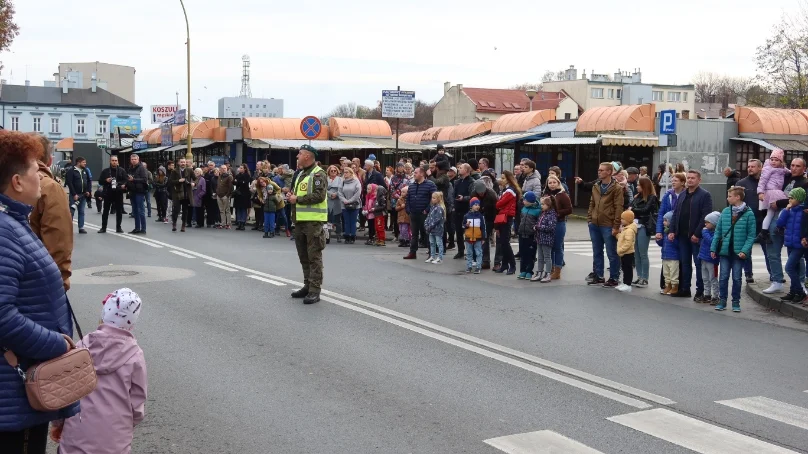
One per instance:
[(79, 126), (242, 106), (265, 106), (15, 123), (656, 95), (597, 93), (37, 124), (102, 127), (54, 125), (674, 96), (684, 96), (610, 93), (250, 106), (567, 116), (619, 93)]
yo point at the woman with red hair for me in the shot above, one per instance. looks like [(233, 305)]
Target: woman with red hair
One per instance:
[(34, 310)]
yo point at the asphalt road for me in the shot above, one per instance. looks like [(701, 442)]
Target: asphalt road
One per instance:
[(407, 357)]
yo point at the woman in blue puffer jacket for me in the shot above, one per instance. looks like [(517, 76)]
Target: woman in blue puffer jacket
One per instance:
[(33, 305)]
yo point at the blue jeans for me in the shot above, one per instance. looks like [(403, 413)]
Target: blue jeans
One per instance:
[(269, 221), (727, 264), (436, 246), (773, 257), (793, 266), (148, 202), (474, 249), (602, 236), (241, 214), (280, 215), (641, 261), (689, 256), (80, 204), (558, 245), (349, 218), (139, 211)]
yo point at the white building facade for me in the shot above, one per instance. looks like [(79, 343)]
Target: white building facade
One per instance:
[(236, 107)]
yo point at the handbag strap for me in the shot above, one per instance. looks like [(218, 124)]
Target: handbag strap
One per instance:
[(732, 227)]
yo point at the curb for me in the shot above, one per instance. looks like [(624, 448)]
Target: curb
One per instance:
[(774, 304)]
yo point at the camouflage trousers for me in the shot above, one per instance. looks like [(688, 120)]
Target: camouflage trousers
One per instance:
[(310, 242)]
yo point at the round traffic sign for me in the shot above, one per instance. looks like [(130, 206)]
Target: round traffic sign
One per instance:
[(310, 127)]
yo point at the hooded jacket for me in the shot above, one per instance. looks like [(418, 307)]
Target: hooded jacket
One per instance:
[(51, 222), (474, 224), (626, 239), (532, 183), (605, 208), (110, 413)]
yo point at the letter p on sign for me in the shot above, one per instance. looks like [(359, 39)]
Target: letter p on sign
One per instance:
[(667, 122)]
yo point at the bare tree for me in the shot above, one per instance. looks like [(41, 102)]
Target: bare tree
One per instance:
[(715, 88), (526, 86), (783, 61)]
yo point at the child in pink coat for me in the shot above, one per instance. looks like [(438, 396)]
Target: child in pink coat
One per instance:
[(110, 413), (370, 203), (770, 189)]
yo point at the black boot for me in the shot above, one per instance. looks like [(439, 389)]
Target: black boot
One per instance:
[(311, 298), (300, 293), (266, 234)]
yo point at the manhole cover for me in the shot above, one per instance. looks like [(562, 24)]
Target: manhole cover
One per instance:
[(115, 273)]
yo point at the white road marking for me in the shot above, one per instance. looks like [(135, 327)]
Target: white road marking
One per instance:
[(182, 254), (694, 434), (131, 237), (489, 354), (541, 442), (222, 267), (268, 281), (772, 409), (490, 345)]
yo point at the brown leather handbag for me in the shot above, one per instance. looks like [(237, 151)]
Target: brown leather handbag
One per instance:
[(57, 383)]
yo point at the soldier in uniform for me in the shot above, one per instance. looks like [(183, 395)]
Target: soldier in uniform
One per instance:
[(310, 211)]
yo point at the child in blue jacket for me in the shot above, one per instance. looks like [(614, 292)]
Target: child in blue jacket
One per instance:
[(709, 265), (670, 258), (791, 220)]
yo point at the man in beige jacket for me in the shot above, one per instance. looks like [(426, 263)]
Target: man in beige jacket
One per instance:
[(50, 219)]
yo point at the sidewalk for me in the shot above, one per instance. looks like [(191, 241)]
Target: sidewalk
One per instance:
[(773, 303)]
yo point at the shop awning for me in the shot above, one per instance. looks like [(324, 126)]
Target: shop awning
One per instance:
[(295, 144), (630, 141), (391, 144), (790, 145), (565, 141), (149, 150), (198, 143), (760, 142), (492, 139)]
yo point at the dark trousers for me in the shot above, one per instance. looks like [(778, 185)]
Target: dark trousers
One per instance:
[(394, 221), (33, 440), (504, 245), (212, 209), (99, 204), (112, 201), (177, 207), (527, 254), (418, 231), (688, 257), (200, 215), (449, 230), (627, 265), (162, 204), (458, 230)]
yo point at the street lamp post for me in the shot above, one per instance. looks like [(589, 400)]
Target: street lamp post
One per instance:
[(188, 154), (531, 93)]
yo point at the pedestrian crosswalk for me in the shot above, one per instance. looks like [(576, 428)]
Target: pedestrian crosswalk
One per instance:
[(672, 427)]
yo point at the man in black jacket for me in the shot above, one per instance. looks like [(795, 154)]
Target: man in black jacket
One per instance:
[(113, 183), (462, 194), (179, 180), (419, 197), (79, 184), (138, 186), (686, 227), (488, 206), (750, 184)]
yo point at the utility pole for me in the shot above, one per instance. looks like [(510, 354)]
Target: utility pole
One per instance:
[(397, 121), (189, 154)]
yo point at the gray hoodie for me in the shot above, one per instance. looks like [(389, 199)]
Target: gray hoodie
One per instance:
[(350, 193)]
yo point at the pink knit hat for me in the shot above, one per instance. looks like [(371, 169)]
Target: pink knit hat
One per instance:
[(777, 153)]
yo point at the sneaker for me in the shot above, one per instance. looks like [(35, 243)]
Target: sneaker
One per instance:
[(722, 305), (698, 299), (477, 270), (458, 256), (591, 277), (776, 287), (597, 281), (611, 283), (636, 281), (410, 256), (537, 277), (624, 288), (437, 261), (736, 307), (788, 297), (750, 280), (642, 284), (429, 260), (714, 301), (468, 270), (547, 278)]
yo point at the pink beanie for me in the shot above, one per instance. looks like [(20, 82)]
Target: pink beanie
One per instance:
[(777, 153)]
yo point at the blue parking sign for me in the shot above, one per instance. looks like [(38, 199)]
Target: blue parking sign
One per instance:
[(667, 122)]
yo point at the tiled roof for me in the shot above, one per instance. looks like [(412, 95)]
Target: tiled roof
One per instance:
[(509, 101), (53, 96)]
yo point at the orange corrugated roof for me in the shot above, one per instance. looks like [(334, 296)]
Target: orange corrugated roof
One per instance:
[(464, 131), (155, 137), (431, 134), (771, 121), (203, 130), (521, 122), (65, 144), (358, 127), (494, 99), (618, 118), (411, 137), (275, 128)]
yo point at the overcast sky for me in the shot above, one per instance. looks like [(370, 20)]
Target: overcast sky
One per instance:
[(317, 54)]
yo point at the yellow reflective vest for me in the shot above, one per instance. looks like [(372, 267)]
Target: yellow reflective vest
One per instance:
[(317, 212)]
